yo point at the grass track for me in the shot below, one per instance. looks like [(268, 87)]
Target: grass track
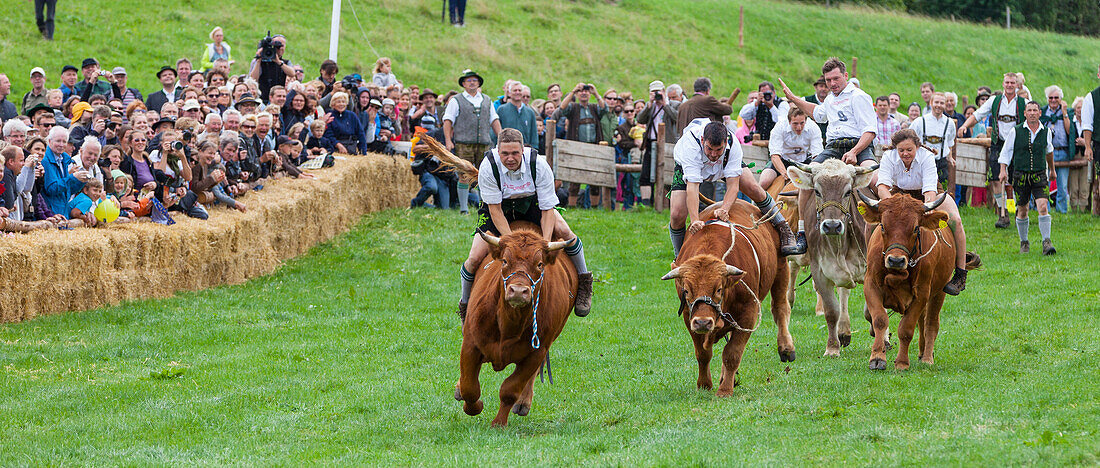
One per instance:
[(348, 355)]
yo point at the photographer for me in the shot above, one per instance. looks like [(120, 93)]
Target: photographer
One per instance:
[(88, 161), (765, 111), (269, 68), (92, 123), (656, 112), (90, 84)]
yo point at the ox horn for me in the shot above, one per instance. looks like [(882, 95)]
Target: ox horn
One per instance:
[(490, 239), (733, 271), (871, 203), (866, 170), (792, 193), (804, 167), (675, 273), (557, 245), (935, 203)]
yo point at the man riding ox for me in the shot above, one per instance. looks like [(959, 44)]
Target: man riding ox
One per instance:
[(909, 261), (723, 271), (836, 239)]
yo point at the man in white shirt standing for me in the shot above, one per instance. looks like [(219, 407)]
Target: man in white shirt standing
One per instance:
[(1009, 111), (937, 132), (1090, 131), (852, 123), (765, 111), (792, 141), (467, 121), (1029, 152), (707, 152)]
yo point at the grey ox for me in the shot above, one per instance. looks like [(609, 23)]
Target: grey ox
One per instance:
[(836, 239)]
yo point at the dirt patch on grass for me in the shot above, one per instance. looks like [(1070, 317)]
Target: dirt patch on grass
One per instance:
[(56, 271)]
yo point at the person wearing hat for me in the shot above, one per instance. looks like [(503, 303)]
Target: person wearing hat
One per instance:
[(287, 148), (426, 115), (91, 84), (119, 89), (247, 104), (68, 82), (389, 126), (192, 109), (37, 94), (168, 93), (467, 122), (656, 112)]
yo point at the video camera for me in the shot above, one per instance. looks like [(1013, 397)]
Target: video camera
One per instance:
[(268, 48), (350, 84)]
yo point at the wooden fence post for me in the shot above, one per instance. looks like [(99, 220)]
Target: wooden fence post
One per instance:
[(854, 60), (551, 128), (658, 194), (741, 28)]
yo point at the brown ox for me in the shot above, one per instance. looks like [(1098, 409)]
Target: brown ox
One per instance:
[(524, 285), (722, 297), (909, 260)]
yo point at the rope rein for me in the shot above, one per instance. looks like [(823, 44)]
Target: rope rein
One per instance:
[(756, 222), (535, 344)]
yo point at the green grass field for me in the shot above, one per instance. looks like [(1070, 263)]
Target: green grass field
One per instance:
[(349, 356), (623, 44)]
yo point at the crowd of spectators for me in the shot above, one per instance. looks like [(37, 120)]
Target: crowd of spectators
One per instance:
[(206, 136)]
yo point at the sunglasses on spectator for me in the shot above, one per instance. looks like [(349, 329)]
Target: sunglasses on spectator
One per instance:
[(1053, 98), (47, 124), (248, 126)]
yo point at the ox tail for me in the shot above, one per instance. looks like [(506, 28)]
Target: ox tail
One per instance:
[(546, 366), (467, 173)]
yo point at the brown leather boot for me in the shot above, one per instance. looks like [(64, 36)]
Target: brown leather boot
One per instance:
[(1048, 247), (789, 244), (957, 283), (582, 304)]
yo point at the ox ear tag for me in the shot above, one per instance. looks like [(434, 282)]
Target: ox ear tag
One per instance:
[(943, 224), (862, 209)]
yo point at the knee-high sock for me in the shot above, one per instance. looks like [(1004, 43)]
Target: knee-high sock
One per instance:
[(467, 284), (767, 205), (677, 236), (999, 200), (1044, 226), (575, 251), (1021, 227), (463, 196)]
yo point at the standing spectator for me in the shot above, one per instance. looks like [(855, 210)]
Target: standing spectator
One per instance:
[(7, 108), (887, 124), (20, 171), (469, 121), (766, 111), (926, 90), (951, 100), (295, 112), (60, 185), (584, 124), (68, 82), (458, 13), (937, 130), (91, 85), (675, 95), (426, 115), (625, 143), (553, 94), (15, 132), (119, 89), (327, 76), (272, 73), (702, 105), (895, 103), (658, 111), (37, 94), (913, 113), (1006, 110), (383, 73), (1059, 124), (183, 72), (215, 50), (821, 91), (515, 114), (610, 119), (168, 92), (43, 15)]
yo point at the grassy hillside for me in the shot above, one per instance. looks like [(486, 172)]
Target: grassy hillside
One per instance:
[(624, 45)]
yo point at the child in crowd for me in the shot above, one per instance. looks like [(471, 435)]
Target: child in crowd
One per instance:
[(81, 206), (316, 144)]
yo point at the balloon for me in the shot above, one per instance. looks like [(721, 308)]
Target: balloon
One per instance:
[(106, 211)]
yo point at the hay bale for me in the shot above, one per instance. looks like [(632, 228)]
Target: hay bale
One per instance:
[(59, 271)]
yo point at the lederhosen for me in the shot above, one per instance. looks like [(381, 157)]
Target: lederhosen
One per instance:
[(515, 209), (941, 158), (678, 182), (1028, 166), (993, 171)]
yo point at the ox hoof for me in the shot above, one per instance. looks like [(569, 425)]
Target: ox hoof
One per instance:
[(845, 340), (724, 393), (704, 385), (878, 364), (458, 394), (500, 424), (901, 366), (474, 409), (521, 409), (830, 352), (928, 361), (786, 356)]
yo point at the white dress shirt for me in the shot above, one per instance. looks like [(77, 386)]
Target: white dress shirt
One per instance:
[(517, 183), (1008, 108), (797, 147), (938, 134), (779, 112), (849, 114), (921, 174), (694, 162), (1010, 143), (452, 106), (1088, 112)]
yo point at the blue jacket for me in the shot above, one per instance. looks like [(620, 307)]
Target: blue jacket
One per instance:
[(58, 185), (345, 126)]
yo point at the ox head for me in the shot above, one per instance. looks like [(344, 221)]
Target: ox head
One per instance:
[(901, 217), (523, 256), (833, 183), (704, 277)]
